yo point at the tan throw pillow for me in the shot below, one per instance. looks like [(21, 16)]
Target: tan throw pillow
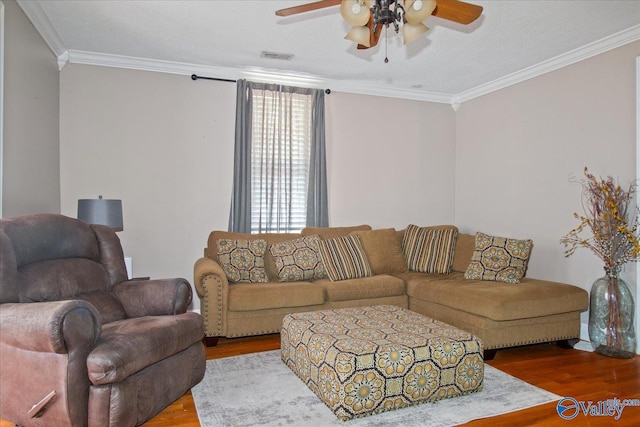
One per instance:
[(383, 250), (344, 258), (332, 232), (499, 259), (298, 259), (463, 251), (429, 249), (242, 260)]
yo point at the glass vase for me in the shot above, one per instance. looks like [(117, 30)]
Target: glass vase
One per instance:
[(611, 311)]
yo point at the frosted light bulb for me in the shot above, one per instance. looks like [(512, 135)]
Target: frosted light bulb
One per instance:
[(417, 5), (355, 8)]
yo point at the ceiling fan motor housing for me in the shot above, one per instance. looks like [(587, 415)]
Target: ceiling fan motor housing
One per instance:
[(384, 14)]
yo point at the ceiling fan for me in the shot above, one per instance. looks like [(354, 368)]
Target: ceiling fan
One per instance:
[(368, 17)]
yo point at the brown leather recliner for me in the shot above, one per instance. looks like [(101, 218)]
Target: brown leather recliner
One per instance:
[(80, 344)]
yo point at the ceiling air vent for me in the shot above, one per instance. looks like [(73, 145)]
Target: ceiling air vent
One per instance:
[(274, 55)]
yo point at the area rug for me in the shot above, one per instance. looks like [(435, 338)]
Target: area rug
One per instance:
[(259, 390)]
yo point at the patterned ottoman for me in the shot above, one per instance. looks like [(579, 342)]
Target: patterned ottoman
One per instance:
[(362, 361)]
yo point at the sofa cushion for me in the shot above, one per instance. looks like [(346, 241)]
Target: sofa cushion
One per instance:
[(298, 259), (496, 300), (249, 297), (243, 260), (383, 250), (378, 286), (332, 232), (499, 259), (344, 258), (127, 346), (429, 249)]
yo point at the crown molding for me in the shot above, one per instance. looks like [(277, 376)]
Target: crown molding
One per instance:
[(41, 21), (351, 86), (250, 73), (611, 42)]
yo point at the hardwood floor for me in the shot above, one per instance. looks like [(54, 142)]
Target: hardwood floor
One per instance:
[(578, 374), (581, 375)]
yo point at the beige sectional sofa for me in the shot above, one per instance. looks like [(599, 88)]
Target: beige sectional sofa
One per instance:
[(501, 314)]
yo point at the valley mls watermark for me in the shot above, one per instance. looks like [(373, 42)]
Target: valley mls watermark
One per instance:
[(568, 408)]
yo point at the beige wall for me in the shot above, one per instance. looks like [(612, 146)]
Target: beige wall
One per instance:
[(161, 143), (164, 145), (390, 161), (519, 148), (31, 168)]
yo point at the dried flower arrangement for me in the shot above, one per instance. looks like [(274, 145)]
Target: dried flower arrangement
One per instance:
[(612, 218)]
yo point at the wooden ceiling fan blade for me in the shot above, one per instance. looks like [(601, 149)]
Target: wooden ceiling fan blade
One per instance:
[(307, 7), (457, 11)]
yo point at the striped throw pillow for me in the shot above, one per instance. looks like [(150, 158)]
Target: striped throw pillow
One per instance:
[(344, 258), (429, 249)]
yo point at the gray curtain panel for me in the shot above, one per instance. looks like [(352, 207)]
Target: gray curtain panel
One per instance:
[(275, 164), (240, 218), (317, 205)]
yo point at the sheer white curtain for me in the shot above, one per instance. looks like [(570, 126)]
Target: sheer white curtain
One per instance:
[(280, 162)]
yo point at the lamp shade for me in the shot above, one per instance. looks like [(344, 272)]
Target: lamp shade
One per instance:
[(410, 32), (355, 12), (418, 10), (360, 35), (101, 211)]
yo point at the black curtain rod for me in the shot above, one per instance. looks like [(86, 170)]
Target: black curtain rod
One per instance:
[(196, 77)]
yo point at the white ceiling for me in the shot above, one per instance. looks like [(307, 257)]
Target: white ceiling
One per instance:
[(511, 41)]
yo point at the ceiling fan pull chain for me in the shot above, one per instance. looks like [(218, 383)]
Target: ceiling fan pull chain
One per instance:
[(386, 44)]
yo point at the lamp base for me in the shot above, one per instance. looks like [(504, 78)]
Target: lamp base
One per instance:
[(127, 263)]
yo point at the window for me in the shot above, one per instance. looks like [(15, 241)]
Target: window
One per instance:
[(280, 155), (279, 183)]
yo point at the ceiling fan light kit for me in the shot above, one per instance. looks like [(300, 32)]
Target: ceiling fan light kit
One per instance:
[(358, 14), (367, 17)]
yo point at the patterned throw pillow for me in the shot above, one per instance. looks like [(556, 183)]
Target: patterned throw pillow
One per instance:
[(298, 259), (499, 259), (344, 258), (429, 249), (243, 260)]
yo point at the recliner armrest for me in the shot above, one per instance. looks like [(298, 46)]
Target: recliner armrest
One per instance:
[(54, 326), (158, 297)]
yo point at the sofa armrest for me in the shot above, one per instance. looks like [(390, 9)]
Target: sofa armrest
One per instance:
[(212, 288), (158, 297), (52, 327)]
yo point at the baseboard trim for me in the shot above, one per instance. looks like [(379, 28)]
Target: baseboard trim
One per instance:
[(584, 332)]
